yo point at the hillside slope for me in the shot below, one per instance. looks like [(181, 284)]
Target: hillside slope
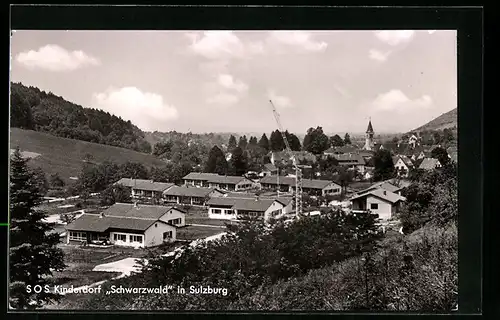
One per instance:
[(446, 120), (38, 110), (65, 156)]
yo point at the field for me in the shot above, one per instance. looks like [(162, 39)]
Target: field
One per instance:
[(198, 232), (65, 156)]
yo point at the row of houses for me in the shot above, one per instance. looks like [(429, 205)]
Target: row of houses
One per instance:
[(198, 188), (143, 225)]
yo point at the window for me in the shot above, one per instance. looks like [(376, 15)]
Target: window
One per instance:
[(78, 236), (216, 211), (134, 238), (175, 221), (167, 235), (120, 237), (229, 211), (374, 206)]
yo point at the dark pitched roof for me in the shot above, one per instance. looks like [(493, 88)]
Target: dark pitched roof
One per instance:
[(429, 163), (290, 181), (382, 194), (350, 158), (147, 185), (405, 160), (199, 176), (370, 127), (142, 211), (282, 180), (188, 191), (270, 167), (96, 223), (385, 185), (214, 178), (316, 184), (260, 205)]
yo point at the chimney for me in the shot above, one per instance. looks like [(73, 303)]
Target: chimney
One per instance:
[(135, 204), (101, 215), (385, 192), (256, 198)]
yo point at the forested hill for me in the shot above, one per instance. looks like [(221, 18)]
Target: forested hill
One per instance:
[(38, 110)]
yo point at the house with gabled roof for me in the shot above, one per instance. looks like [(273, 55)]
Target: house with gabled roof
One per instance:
[(126, 224), (402, 165), (190, 195), (352, 161), (216, 181), (430, 164), (309, 186), (234, 207), (384, 203), (268, 169), (145, 189)]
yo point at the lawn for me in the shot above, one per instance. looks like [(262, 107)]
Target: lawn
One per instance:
[(65, 156), (197, 232), (80, 262)]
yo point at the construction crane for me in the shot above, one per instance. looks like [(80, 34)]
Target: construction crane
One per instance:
[(298, 170)]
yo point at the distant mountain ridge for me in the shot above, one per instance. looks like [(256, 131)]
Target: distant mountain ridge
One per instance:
[(448, 120)]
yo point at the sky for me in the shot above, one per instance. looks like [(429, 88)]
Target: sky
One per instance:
[(222, 81)]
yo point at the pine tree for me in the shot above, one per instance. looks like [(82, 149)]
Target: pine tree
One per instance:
[(347, 139), (216, 162), (239, 162), (276, 142), (243, 143), (231, 144), (33, 254), (264, 142)]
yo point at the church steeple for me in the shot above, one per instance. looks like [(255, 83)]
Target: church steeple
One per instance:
[(369, 145), (370, 127)]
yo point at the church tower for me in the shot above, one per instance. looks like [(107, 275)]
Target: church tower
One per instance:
[(369, 137)]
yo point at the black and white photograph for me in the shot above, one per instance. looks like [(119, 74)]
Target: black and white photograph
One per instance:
[(233, 170)]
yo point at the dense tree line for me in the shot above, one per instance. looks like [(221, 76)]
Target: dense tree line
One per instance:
[(38, 110), (249, 256), (431, 198)]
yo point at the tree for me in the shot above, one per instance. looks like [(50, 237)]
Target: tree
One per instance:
[(395, 140), (238, 162), (162, 174), (253, 141), (243, 142), (384, 167), (134, 170), (56, 182), (347, 139), (441, 154), (115, 193), (20, 111), (316, 141), (276, 142), (216, 162), (448, 135), (264, 142), (41, 180), (436, 136), (336, 141), (33, 254), (293, 140), (163, 149), (232, 143)]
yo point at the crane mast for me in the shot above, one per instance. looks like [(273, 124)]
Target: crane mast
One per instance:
[(298, 171)]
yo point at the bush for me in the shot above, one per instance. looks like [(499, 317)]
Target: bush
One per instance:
[(419, 274)]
